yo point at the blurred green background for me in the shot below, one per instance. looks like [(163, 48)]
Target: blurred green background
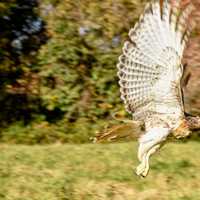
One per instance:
[(58, 60), (58, 67)]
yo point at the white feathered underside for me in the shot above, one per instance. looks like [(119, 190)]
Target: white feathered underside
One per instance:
[(153, 54)]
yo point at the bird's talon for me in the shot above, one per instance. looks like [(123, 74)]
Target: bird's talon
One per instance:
[(140, 170)]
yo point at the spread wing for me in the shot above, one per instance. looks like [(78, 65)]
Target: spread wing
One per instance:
[(150, 67)]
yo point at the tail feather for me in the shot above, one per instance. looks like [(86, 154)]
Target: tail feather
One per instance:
[(128, 131)]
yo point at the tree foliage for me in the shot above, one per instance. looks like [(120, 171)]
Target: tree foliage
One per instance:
[(61, 83)]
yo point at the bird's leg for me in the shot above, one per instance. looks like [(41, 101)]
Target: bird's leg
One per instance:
[(149, 143), (143, 154), (150, 152)]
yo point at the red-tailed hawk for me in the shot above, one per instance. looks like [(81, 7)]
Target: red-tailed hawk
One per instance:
[(150, 73)]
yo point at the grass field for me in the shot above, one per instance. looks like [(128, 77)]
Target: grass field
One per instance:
[(98, 172)]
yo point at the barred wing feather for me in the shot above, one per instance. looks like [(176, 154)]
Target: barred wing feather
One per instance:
[(152, 57)]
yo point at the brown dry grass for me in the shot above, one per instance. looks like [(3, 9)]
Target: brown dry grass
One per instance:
[(98, 172)]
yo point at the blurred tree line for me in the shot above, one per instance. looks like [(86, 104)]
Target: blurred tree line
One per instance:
[(58, 67)]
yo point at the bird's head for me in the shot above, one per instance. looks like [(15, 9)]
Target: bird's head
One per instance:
[(182, 130)]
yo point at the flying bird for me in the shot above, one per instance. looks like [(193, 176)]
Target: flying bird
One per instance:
[(150, 74)]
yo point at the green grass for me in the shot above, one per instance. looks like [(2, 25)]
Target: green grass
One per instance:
[(98, 172)]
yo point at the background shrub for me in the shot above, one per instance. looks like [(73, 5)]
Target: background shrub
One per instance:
[(58, 67)]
